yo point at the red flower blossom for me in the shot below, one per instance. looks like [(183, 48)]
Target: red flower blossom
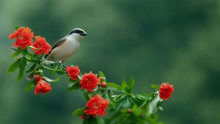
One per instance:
[(42, 87), (41, 46), (96, 106), (89, 81), (73, 72), (165, 91), (23, 37), (82, 117)]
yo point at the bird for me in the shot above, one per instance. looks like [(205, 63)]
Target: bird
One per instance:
[(64, 48)]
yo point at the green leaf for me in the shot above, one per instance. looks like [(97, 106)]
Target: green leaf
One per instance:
[(74, 87), (136, 100), (14, 66), (61, 72), (123, 85), (73, 82), (51, 80), (123, 100), (60, 66), (32, 68), (137, 112), (18, 51), (16, 27), (100, 120), (142, 97), (113, 86), (86, 96), (156, 87), (110, 98), (22, 65), (128, 90), (101, 74), (29, 86), (24, 52), (29, 54), (90, 120), (39, 71), (131, 82), (79, 112), (50, 69)]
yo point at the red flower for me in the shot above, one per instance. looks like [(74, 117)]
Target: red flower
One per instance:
[(82, 117), (42, 87), (165, 91), (23, 37), (41, 46), (89, 81), (96, 106), (73, 72)]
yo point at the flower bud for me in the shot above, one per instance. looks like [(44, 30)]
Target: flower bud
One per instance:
[(103, 84), (101, 78), (36, 77), (82, 117), (129, 111)]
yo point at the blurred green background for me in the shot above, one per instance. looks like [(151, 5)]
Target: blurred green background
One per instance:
[(153, 40)]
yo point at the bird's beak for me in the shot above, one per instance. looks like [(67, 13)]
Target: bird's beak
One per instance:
[(83, 34)]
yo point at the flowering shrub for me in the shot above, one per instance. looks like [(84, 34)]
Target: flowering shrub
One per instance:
[(107, 102)]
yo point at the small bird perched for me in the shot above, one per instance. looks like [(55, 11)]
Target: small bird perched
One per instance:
[(64, 48)]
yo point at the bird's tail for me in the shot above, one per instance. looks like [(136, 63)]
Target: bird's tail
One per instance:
[(31, 75)]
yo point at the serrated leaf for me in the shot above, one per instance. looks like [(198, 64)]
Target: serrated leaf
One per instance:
[(29, 86), (22, 65), (14, 66), (18, 51), (113, 86), (32, 68), (79, 112), (51, 80), (131, 82)]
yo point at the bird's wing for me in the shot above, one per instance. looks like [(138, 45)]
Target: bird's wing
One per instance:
[(58, 43)]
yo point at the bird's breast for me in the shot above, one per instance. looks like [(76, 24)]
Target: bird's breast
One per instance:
[(66, 50)]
